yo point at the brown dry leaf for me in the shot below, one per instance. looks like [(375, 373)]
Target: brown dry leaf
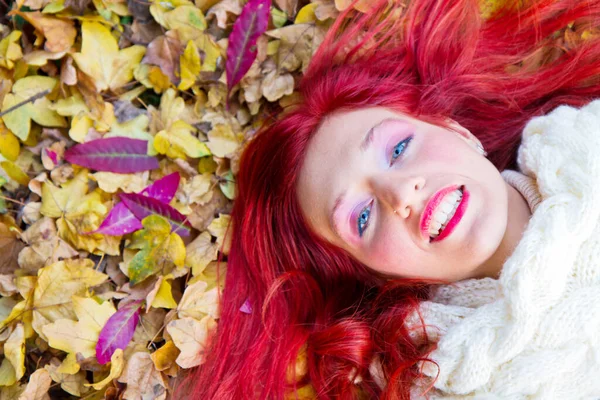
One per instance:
[(221, 10), (164, 52), (60, 34), (190, 335), (142, 379), (276, 85), (38, 385), (10, 246), (44, 247), (198, 302), (200, 252), (73, 384), (289, 6)]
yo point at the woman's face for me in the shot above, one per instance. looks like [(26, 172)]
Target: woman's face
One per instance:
[(363, 165)]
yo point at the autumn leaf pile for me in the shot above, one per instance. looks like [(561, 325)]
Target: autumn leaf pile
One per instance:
[(121, 126)]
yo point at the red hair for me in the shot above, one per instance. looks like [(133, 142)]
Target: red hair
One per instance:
[(432, 59)]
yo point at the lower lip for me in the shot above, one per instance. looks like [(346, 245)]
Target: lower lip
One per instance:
[(460, 211)]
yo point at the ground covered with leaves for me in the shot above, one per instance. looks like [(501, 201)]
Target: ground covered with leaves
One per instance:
[(121, 126), (118, 156)]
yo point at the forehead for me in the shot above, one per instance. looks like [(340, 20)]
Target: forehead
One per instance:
[(330, 158)]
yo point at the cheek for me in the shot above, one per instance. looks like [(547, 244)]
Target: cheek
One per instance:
[(392, 249)]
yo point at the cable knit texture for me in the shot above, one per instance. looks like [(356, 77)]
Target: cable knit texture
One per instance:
[(534, 332)]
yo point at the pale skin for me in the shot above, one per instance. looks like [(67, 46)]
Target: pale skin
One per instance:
[(391, 172)]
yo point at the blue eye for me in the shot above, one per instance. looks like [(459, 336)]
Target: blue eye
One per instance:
[(363, 219), (400, 147)]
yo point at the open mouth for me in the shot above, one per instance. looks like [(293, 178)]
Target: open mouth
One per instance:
[(452, 218)]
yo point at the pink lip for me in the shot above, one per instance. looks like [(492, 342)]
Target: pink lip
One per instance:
[(427, 215)]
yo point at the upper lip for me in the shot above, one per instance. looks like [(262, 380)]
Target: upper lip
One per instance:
[(430, 207)]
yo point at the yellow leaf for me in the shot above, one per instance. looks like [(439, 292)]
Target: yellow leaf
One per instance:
[(101, 59), (190, 335), (164, 296), (218, 228), (13, 364), (306, 14), (222, 141), (80, 336), (70, 383), (178, 142), (211, 51), (173, 14), (164, 357), (78, 212), (80, 125), (19, 120), (10, 51), (161, 250), (159, 81), (15, 173), (190, 66), (117, 363), (56, 285)]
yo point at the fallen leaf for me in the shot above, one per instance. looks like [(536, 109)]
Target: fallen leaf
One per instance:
[(60, 33), (190, 335), (116, 368), (115, 67), (164, 52), (117, 154), (142, 378), (19, 119), (37, 386), (160, 250), (55, 286), (80, 336), (241, 50), (164, 357), (118, 331)]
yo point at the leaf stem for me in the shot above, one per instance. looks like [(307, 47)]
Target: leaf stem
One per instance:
[(29, 100), (12, 200)]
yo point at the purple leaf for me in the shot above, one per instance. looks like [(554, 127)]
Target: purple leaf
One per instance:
[(117, 154), (241, 50), (118, 331), (141, 206), (119, 221), (164, 188), (246, 307)]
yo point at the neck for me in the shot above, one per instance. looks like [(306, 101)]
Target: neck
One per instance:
[(519, 214)]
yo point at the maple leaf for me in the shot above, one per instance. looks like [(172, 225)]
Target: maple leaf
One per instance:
[(142, 378), (101, 59), (164, 51), (78, 212), (55, 286), (19, 119), (160, 251), (82, 335)]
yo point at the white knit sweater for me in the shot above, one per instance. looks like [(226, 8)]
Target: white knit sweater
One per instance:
[(534, 333)]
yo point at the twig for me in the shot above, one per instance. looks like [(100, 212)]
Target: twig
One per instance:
[(29, 100), (12, 200)]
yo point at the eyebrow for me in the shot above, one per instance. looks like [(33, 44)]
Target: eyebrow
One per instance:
[(364, 145)]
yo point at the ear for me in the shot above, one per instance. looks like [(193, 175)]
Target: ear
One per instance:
[(465, 134)]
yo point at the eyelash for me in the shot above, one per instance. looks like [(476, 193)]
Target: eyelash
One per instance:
[(366, 212)]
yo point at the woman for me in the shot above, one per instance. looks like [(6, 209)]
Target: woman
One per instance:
[(334, 244)]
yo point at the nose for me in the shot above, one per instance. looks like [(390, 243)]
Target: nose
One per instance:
[(400, 194)]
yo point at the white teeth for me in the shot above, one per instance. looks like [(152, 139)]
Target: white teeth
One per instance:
[(444, 212)]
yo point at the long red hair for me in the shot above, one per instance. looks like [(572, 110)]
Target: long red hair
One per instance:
[(432, 59)]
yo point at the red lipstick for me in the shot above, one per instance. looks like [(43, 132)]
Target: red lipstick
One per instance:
[(460, 211)]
